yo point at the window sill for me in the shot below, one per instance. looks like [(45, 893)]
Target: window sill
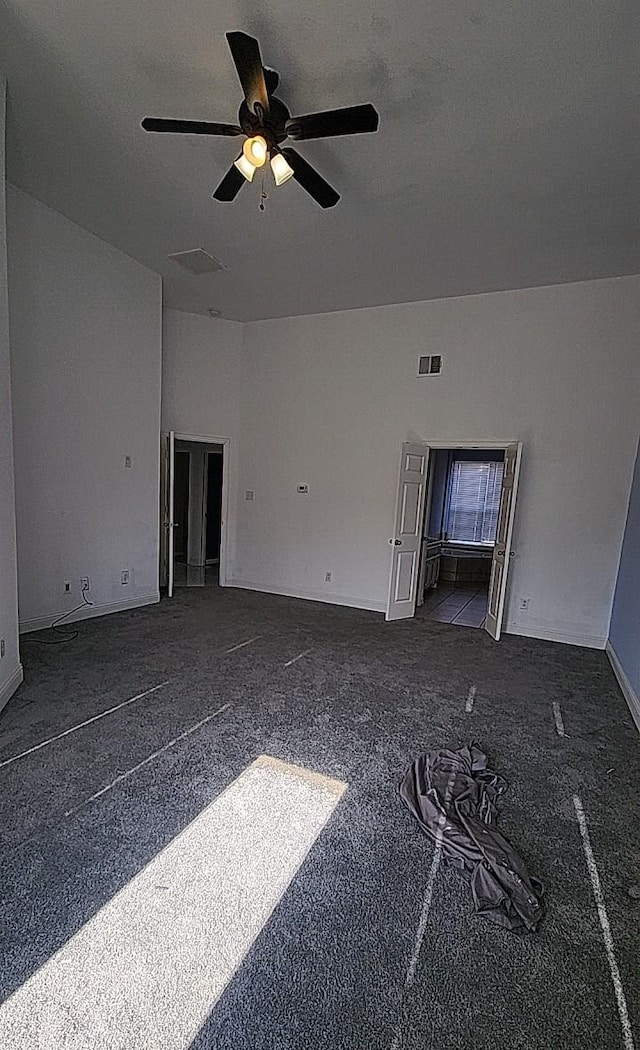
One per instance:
[(470, 543)]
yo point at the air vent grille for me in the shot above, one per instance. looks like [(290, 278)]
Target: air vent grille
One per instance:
[(197, 261), (430, 366)]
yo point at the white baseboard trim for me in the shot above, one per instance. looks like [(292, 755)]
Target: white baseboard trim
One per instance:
[(347, 600), (10, 686), (39, 623), (589, 641), (629, 693)]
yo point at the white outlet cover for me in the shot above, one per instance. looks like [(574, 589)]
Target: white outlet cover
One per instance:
[(249, 494)]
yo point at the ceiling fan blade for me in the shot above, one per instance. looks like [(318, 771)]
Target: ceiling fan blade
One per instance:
[(230, 186), (190, 127), (311, 180), (245, 52), (352, 120)]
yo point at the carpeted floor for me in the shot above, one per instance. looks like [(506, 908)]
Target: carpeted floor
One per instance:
[(357, 940)]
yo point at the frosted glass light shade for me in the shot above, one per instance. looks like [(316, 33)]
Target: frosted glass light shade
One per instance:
[(246, 167), (255, 150), (280, 168)]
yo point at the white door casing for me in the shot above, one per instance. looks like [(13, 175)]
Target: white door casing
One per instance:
[(164, 508), (170, 523), (502, 552), (407, 539)]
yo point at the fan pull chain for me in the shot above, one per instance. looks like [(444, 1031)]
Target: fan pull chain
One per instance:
[(263, 193)]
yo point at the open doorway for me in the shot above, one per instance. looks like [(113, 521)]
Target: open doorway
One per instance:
[(455, 509), (193, 510), (459, 535), (197, 513)]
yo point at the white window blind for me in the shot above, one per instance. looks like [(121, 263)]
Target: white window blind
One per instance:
[(474, 501)]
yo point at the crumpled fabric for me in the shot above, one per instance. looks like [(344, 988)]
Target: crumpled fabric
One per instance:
[(453, 796)]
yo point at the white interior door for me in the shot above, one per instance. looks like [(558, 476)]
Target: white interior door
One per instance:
[(407, 539), (502, 550), (170, 522)]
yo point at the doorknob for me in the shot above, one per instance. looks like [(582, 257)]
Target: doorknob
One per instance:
[(500, 553), (396, 543)]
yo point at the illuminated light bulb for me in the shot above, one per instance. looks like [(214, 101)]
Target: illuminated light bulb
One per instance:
[(246, 167), (255, 150), (280, 168)]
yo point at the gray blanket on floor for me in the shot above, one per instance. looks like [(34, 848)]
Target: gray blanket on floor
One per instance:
[(453, 796)]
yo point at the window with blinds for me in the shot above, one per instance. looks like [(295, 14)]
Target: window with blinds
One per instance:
[(474, 501)]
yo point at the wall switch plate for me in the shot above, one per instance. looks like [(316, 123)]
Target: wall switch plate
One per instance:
[(84, 583), (303, 489), (328, 576), (67, 586), (249, 494), (128, 462), (124, 576), (1, 648), (523, 604)]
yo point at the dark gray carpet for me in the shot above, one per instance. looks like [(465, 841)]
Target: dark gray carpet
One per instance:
[(328, 970)]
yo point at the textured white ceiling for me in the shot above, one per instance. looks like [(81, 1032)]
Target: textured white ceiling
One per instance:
[(508, 152)]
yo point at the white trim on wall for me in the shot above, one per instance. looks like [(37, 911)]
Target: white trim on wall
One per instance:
[(87, 612), (472, 445), (629, 693), (548, 634), (10, 686), (347, 600)]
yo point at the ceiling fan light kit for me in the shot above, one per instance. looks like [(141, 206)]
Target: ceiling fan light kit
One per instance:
[(265, 122)]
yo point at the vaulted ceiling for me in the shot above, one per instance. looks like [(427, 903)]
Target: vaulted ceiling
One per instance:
[(508, 153)]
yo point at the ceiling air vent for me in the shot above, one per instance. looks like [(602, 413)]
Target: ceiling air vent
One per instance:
[(197, 261), (430, 366)]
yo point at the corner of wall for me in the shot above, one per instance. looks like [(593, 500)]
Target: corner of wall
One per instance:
[(629, 693), (8, 688), (10, 668)]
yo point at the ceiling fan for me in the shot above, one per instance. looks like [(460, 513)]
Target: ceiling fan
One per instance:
[(265, 122)]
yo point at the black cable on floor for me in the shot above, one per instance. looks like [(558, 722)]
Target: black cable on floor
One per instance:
[(65, 636)]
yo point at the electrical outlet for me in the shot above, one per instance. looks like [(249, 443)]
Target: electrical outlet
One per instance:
[(249, 494), (124, 576), (1, 648), (84, 583), (523, 604), (67, 586), (128, 461), (328, 576)]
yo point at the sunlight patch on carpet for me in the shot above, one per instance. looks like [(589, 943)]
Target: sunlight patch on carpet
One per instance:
[(147, 969)]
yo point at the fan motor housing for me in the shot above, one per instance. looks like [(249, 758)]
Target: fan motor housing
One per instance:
[(270, 125)]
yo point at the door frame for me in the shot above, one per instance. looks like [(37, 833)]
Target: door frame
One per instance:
[(225, 442), (500, 446), (205, 503)]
